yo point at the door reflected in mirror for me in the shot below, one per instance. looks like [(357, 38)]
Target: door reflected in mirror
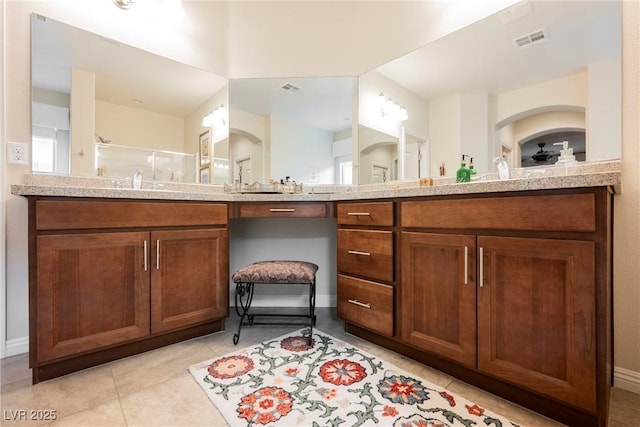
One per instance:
[(299, 128), (102, 108), (378, 156)]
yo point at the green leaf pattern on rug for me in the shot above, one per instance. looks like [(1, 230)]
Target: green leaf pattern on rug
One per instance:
[(286, 382)]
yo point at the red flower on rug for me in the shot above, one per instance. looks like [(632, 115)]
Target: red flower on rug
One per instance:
[(230, 367), (474, 410), (342, 372), (265, 405), (298, 343), (401, 389)]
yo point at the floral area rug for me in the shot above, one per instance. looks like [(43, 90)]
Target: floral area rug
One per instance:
[(286, 382)]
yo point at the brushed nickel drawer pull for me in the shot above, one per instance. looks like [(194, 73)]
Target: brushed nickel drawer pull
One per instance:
[(360, 253), (359, 213), (466, 265), (481, 266), (157, 254), (361, 304), (282, 210), (146, 266)]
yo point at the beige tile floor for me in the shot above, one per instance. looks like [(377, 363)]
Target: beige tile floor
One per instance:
[(156, 389)]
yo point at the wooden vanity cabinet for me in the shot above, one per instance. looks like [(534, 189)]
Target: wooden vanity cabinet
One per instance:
[(112, 278), (509, 292), (366, 271)]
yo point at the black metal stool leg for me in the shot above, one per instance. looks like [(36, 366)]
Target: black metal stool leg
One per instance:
[(244, 295), (312, 310)]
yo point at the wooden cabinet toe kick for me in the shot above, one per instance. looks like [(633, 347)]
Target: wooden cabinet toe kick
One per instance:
[(72, 364)]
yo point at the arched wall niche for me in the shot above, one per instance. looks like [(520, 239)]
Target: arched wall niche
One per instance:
[(524, 126)]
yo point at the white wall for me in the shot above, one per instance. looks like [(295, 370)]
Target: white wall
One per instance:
[(302, 239), (568, 91), (604, 112), (82, 110), (312, 149), (444, 134), (626, 268), (3, 198), (139, 128), (474, 130)]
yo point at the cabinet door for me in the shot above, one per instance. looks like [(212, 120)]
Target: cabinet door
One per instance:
[(189, 277), (536, 315), (438, 294), (92, 291)]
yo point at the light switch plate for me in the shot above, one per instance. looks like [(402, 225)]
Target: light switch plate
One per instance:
[(17, 153)]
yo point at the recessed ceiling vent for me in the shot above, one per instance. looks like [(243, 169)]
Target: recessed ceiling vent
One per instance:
[(532, 38), (290, 88)]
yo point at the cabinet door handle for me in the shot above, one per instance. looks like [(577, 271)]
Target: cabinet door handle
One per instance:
[(359, 253), (361, 304), (157, 254), (282, 210), (359, 213), (481, 266), (466, 265), (146, 256)]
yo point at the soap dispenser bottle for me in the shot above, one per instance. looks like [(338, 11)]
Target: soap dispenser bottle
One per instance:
[(503, 167), (463, 174), (472, 168), (566, 157)]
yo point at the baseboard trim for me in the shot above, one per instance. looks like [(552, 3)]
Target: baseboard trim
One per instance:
[(17, 346), (626, 379)]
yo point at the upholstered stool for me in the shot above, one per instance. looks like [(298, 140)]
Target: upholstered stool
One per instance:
[(274, 272)]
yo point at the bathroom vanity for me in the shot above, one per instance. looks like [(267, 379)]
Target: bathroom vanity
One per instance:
[(503, 284), (509, 292), (110, 278)]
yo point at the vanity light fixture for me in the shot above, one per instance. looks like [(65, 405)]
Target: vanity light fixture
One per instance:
[(390, 109), (217, 117), (124, 4)]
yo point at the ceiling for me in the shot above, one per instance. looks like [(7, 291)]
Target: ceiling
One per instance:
[(124, 75), (484, 57), (320, 102)]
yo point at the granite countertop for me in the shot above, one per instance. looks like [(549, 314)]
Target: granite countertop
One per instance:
[(584, 174)]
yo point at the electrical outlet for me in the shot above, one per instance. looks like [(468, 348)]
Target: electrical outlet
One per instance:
[(17, 153)]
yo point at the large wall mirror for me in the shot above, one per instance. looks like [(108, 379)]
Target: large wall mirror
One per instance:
[(516, 82), (100, 107), (299, 128)]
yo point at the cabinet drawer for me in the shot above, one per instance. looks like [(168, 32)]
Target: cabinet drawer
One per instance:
[(365, 303), (282, 210), (380, 214), (87, 214), (367, 253), (555, 212)]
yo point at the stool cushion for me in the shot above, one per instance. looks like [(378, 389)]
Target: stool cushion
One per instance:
[(294, 272)]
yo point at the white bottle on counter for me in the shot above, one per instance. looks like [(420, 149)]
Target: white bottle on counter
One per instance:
[(503, 167)]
